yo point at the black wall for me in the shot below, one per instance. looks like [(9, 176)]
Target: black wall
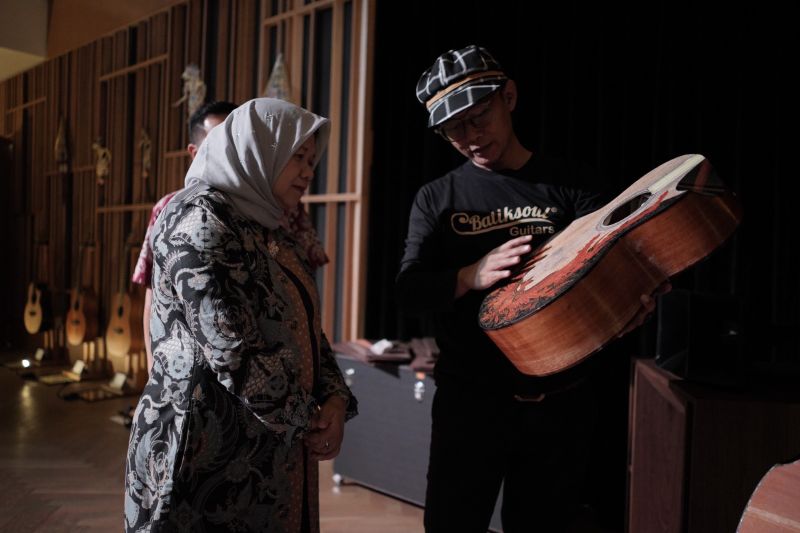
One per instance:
[(623, 90)]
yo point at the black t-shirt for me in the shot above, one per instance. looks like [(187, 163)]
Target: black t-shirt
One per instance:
[(457, 219)]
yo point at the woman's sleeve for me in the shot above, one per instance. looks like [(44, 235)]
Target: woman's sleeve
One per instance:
[(331, 382), (207, 267)]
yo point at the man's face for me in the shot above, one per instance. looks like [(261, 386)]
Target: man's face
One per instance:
[(483, 133), (208, 124)]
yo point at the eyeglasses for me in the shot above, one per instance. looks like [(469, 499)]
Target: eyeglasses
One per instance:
[(456, 130)]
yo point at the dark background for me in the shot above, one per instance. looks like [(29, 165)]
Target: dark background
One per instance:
[(624, 91)]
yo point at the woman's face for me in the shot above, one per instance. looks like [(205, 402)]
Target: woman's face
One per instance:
[(296, 175)]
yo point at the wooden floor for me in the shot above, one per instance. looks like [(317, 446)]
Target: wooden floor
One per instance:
[(62, 468)]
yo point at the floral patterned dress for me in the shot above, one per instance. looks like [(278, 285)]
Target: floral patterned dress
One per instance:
[(240, 367)]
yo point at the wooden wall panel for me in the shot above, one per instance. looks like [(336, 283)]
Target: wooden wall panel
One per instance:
[(175, 167), (219, 50), (174, 119), (147, 113), (244, 47), (158, 34), (83, 115), (195, 34), (127, 82)]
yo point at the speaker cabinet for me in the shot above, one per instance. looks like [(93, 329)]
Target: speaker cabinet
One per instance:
[(698, 337)]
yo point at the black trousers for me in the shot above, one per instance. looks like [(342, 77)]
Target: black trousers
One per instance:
[(538, 451)]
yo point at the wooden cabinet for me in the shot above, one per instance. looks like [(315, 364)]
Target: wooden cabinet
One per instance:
[(696, 452)]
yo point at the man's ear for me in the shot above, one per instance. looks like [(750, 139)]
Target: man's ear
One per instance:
[(510, 94), (192, 149)]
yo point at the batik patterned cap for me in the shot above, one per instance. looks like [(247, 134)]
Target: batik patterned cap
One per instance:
[(457, 80)]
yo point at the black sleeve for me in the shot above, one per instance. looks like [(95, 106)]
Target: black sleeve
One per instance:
[(424, 283), (586, 201), (585, 194)]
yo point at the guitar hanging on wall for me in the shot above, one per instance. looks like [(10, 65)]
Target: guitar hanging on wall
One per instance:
[(82, 314), (582, 288), (124, 332), (38, 309)]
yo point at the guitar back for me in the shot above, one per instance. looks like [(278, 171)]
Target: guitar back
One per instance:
[(582, 288)]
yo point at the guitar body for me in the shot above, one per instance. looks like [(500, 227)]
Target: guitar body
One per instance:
[(124, 331), (82, 316), (37, 315), (773, 506), (582, 288)]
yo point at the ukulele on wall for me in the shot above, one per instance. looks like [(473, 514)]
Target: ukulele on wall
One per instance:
[(38, 310), (581, 288), (82, 314), (124, 332)]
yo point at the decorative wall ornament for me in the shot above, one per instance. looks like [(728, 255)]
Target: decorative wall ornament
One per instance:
[(194, 89), (102, 163), (145, 145), (60, 148), (278, 82)]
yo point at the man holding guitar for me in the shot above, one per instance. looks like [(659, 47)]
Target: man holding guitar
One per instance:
[(468, 230)]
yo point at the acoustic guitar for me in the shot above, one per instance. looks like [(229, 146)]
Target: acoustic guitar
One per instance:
[(38, 309), (124, 332), (581, 288), (774, 505), (82, 314)]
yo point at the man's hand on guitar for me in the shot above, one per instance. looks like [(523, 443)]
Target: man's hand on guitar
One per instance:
[(492, 267), (648, 306)]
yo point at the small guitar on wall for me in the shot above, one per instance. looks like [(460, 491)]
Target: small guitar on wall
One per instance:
[(38, 310), (82, 314), (124, 332)]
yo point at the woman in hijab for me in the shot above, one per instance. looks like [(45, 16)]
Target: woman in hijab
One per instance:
[(245, 395)]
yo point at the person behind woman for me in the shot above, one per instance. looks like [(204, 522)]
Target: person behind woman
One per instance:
[(245, 395)]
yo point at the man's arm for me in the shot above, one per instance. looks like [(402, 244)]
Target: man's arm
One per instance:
[(424, 282)]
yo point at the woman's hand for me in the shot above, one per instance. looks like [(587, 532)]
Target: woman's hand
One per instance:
[(327, 429)]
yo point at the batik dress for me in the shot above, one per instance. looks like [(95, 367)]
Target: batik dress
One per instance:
[(240, 367)]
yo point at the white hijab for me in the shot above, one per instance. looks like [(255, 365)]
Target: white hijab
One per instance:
[(244, 155)]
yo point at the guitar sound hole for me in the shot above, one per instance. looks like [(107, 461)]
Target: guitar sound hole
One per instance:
[(626, 209)]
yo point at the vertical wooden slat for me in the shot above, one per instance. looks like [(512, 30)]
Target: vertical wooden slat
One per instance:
[(365, 31), (334, 112), (175, 118), (222, 82)]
